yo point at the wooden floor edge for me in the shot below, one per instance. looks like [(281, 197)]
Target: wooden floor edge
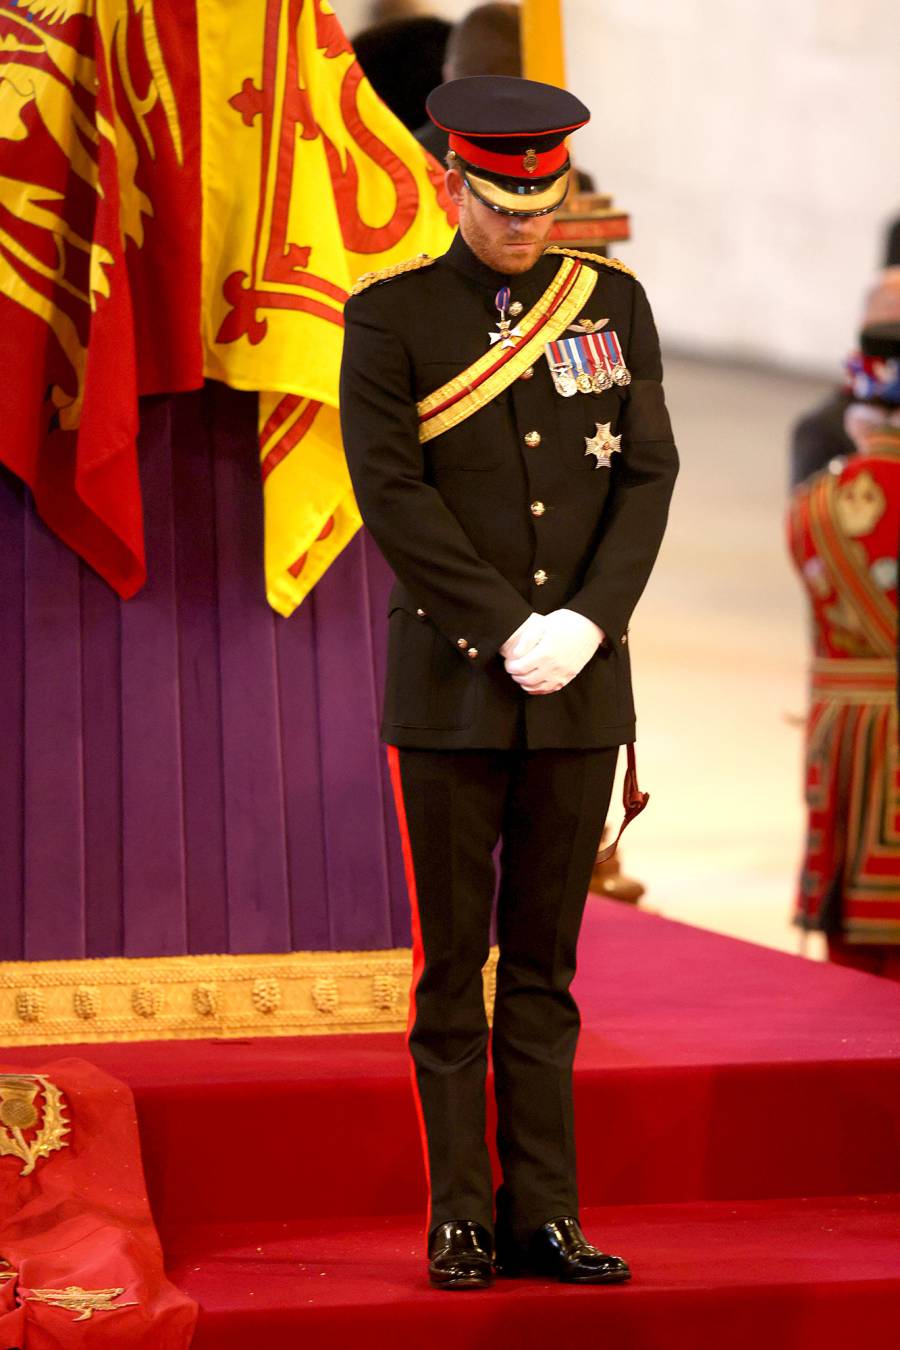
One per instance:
[(202, 996)]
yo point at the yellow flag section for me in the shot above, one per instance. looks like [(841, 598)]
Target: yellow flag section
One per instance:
[(308, 181)]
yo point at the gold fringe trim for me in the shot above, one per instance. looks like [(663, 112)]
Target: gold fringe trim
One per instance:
[(190, 997), (592, 258), (387, 273)]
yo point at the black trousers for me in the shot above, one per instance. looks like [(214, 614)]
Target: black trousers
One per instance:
[(548, 807)]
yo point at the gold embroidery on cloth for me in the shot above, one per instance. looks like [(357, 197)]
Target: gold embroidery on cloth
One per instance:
[(852, 580), (859, 504), (18, 1114), (526, 353), (6, 1270), (231, 994), (83, 1301)]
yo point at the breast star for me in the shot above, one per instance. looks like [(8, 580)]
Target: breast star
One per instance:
[(604, 445)]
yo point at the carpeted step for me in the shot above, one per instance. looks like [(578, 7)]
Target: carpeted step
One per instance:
[(708, 1069), (803, 1274)]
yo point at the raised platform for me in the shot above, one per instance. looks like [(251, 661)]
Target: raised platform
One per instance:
[(739, 1143), (782, 1274)]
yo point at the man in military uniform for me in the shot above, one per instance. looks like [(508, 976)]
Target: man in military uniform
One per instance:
[(511, 453)]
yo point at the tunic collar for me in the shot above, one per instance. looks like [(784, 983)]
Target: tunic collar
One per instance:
[(524, 286)]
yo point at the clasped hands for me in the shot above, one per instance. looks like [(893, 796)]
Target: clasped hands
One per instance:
[(548, 650)]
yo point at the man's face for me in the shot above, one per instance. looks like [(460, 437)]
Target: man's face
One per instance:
[(508, 244), (870, 424)]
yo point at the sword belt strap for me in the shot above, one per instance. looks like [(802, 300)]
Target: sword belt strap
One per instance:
[(633, 800)]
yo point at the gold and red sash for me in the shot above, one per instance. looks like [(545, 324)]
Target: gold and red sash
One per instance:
[(876, 613), (493, 372)]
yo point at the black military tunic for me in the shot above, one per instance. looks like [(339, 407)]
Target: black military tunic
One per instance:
[(501, 516), (505, 513)]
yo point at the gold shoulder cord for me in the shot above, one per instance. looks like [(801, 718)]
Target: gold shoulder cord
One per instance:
[(387, 273), (592, 258)]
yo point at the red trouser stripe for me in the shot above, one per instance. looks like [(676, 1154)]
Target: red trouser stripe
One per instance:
[(418, 949)]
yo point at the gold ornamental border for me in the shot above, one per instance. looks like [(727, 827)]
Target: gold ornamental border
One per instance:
[(191, 997)]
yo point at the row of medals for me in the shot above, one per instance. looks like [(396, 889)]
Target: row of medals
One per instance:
[(595, 381)]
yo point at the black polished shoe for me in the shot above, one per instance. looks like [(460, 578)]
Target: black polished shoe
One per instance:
[(460, 1255), (560, 1250)]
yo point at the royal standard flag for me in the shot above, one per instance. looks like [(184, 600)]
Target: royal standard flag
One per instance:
[(308, 181), (99, 192), (190, 190)]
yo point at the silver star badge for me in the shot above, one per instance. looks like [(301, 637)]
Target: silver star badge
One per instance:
[(604, 445)]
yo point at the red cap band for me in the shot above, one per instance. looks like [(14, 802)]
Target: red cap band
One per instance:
[(531, 164)]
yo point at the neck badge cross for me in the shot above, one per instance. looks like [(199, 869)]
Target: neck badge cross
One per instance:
[(506, 334)]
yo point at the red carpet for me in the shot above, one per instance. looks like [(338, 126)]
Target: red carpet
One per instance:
[(780, 1274), (739, 1124)]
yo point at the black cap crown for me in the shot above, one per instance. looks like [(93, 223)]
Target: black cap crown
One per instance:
[(509, 135)]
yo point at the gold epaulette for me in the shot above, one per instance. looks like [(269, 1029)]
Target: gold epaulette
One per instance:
[(591, 257), (386, 273)]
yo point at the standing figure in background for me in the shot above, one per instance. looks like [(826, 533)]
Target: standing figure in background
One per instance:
[(403, 60), (486, 41), (821, 435), (844, 526)]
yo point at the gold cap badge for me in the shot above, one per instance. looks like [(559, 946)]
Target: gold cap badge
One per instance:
[(529, 161)]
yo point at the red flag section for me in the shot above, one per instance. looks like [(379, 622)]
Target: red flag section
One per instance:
[(80, 1261), (93, 147)]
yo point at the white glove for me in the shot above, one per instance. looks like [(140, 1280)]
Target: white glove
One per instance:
[(525, 637), (567, 643)]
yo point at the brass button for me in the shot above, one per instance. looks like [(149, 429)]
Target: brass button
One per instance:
[(540, 577), (537, 508), (420, 614), (515, 309), (532, 438), (527, 374), (472, 653), (462, 643)]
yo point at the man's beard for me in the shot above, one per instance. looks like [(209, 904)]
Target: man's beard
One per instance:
[(491, 251)]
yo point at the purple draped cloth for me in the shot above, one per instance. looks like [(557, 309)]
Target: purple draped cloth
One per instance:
[(187, 771)]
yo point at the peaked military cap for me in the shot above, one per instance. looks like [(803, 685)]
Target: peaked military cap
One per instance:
[(509, 136)]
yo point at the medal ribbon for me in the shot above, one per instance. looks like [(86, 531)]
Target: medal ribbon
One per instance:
[(614, 353), (576, 355), (558, 363), (598, 354), (609, 350)]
